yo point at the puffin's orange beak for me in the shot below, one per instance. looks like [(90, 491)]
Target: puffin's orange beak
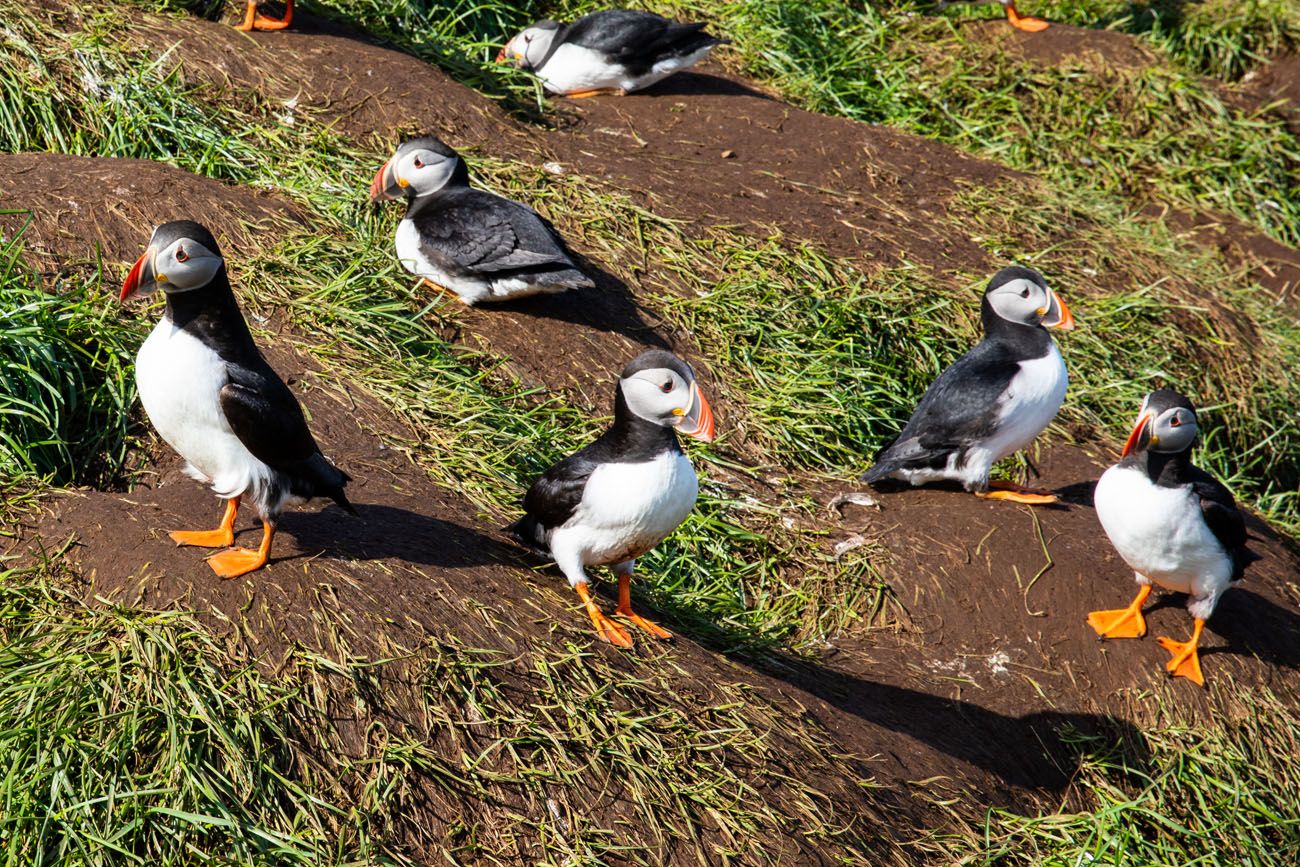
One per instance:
[(1057, 315), (131, 287), (378, 186), (1140, 430), (697, 419), (501, 55)]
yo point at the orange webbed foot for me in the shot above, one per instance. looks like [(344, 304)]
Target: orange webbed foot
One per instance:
[(1122, 622), (1011, 492), (254, 21), (222, 537), (600, 91), (606, 628), (241, 561), (1184, 660), (625, 611), (1024, 22)]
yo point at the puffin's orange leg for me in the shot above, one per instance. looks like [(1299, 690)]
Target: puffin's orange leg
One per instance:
[(600, 91), (625, 610), (1000, 490), (438, 287), (241, 561), (607, 629), (1024, 22), (1184, 661), (222, 537), (254, 21), (1122, 622)]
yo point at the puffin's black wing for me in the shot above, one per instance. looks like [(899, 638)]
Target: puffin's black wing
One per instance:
[(1224, 519), (264, 414), (482, 232), (628, 36), (958, 409), (553, 499)]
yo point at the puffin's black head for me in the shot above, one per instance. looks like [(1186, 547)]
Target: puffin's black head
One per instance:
[(659, 387), (1021, 296), (529, 47), (420, 166), (182, 256), (1166, 423)]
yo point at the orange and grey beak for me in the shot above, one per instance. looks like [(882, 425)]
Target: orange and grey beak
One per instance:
[(697, 419), (1141, 436), (386, 184), (141, 280), (1056, 314)]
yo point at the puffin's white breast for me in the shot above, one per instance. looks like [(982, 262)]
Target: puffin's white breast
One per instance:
[(572, 68), (1029, 404), (1161, 533), (628, 508), (470, 289), (180, 380)]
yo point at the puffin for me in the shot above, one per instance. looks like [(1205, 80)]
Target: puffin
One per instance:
[(1014, 18), (475, 244), (615, 499), (1174, 524), (214, 399), (255, 21), (993, 401), (613, 51)]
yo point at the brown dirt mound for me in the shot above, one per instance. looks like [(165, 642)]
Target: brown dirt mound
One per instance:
[(83, 205), (1102, 50)]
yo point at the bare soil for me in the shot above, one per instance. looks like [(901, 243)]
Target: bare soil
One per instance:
[(974, 698)]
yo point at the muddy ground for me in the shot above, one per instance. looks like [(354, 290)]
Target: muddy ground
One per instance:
[(997, 664)]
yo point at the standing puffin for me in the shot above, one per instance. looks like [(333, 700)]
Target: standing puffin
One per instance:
[(215, 400), (474, 243), (614, 500), (1174, 524), (993, 401), (613, 51), (1014, 18)]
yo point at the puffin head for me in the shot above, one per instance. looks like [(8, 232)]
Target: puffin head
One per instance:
[(528, 48), (1166, 423), (1020, 295), (659, 387), (182, 256), (421, 166)]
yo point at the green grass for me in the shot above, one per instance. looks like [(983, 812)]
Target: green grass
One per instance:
[(211, 762), (66, 384)]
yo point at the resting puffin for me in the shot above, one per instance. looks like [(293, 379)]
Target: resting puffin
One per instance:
[(1014, 18), (1174, 524), (994, 400), (254, 21), (614, 500), (613, 51), (477, 244), (215, 400)]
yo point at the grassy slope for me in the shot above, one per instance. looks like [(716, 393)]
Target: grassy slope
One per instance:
[(341, 281)]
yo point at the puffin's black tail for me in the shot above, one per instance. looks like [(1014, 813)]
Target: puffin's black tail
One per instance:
[(529, 533), (684, 39), (880, 471), (323, 479)]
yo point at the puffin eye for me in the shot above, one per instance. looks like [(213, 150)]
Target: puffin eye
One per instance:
[(181, 255), (667, 386), (419, 163), (1024, 293), (1175, 422)]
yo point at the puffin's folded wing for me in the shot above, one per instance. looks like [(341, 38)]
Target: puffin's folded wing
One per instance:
[(487, 233), (618, 33), (554, 498), (958, 409), (264, 414), (1224, 519)]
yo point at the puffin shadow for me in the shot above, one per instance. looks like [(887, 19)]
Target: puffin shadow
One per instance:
[(700, 84), (1037, 751), (389, 532), (1078, 493), (607, 307), (1254, 626)]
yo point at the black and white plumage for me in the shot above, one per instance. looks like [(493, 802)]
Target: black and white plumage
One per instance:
[(1173, 523), (214, 399), (615, 50), (475, 243), (614, 500), (995, 399)]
